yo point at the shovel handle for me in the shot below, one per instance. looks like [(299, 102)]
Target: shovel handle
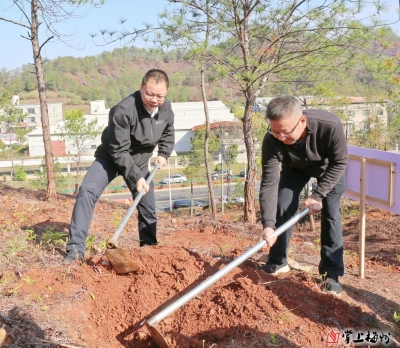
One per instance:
[(153, 321), (112, 242)]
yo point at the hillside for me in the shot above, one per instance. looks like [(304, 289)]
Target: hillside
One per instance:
[(113, 75), (86, 304), (110, 76)]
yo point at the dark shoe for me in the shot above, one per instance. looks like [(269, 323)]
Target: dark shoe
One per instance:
[(272, 268), (73, 255), (332, 286)]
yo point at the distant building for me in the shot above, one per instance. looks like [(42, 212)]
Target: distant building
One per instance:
[(62, 147), (355, 112), (187, 116), (34, 119), (260, 104), (359, 111), (98, 107), (191, 114), (15, 100), (8, 138)]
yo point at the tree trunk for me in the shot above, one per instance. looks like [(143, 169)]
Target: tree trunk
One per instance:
[(51, 181), (249, 186), (206, 161)]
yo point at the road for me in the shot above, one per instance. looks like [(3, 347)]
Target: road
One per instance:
[(165, 196)]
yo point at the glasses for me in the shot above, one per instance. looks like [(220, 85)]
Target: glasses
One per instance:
[(284, 134), (151, 96)]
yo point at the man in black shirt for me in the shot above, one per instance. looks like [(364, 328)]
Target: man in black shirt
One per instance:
[(309, 143), (137, 124)]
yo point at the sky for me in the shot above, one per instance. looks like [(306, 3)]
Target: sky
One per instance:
[(16, 51)]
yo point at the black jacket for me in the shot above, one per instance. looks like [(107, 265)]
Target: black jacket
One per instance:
[(132, 135), (326, 159)]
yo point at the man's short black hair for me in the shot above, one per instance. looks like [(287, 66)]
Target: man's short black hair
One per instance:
[(158, 75), (283, 106)]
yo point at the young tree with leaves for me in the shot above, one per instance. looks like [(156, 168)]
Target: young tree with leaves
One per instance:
[(22, 133), (80, 133), (11, 118), (191, 40), (195, 161), (394, 104), (229, 154), (40, 180), (372, 134)]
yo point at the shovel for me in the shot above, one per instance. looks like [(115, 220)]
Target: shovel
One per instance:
[(151, 323), (118, 257)]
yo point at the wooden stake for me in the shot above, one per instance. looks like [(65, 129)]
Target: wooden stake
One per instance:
[(3, 336), (312, 223)]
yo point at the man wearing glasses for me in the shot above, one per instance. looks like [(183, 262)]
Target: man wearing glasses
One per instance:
[(300, 145), (136, 125)]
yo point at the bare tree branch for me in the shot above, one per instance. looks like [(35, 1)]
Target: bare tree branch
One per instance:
[(13, 22)]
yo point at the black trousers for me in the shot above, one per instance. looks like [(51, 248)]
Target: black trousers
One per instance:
[(291, 184), (99, 175)]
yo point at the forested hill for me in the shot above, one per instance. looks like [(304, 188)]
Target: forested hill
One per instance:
[(113, 75), (110, 76)]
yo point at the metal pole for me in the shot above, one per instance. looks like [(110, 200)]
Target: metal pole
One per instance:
[(169, 184), (153, 321), (222, 184)]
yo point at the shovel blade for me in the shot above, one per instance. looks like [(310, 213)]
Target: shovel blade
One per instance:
[(157, 336), (121, 261)]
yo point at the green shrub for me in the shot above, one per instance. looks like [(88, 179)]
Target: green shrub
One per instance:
[(16, 147), (396, 315), (20, 173)]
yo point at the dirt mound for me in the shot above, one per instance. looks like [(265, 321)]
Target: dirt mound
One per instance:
[(87, 304), (247, 306)]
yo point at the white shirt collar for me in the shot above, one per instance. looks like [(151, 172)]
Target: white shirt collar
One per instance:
[(152, 114)]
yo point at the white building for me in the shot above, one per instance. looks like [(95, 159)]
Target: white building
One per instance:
[(355, 112), (33, 116), (260, 104), (359, 111), (191, 114), (187, 116), (8, 138)]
